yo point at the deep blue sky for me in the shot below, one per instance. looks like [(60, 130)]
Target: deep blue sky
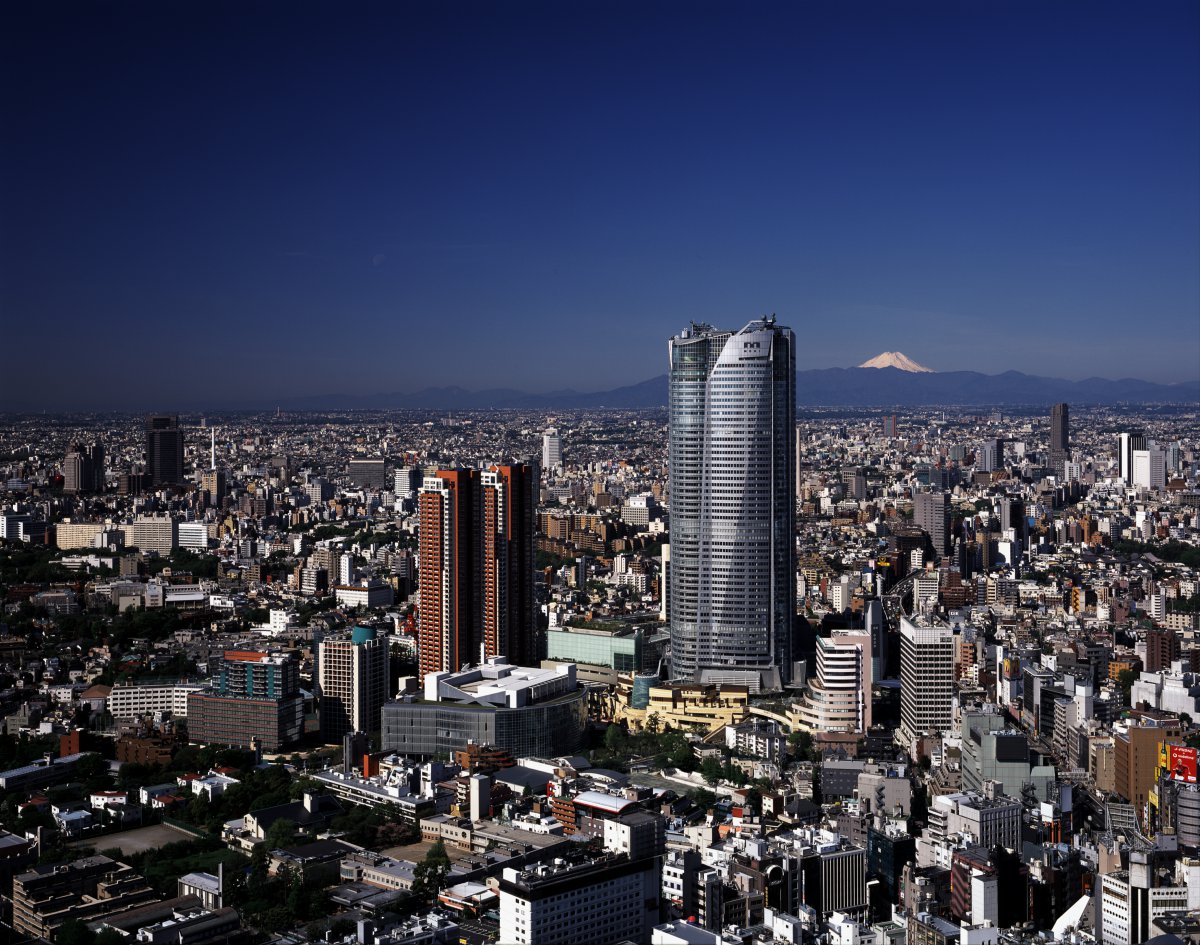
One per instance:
[(207, 204)]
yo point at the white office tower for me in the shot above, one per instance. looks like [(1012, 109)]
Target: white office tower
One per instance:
[(1150, 468), (551, 450), (732, 475), (926, 678), (1127, 443), (839, 699)]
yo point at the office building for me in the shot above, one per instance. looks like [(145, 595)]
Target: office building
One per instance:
[(551, 450), (368, 473), (1131, 900), (839, 698), (157, 533), (889, 426), (476, 575), (212, 481), (990, 456), (926, 677), (528, 712), (83, 469), (732, 470), (1149, 468), (164, 450), (86, 889), (1012, 517), (931, 514), (353, 671), (1060, 435), (603, 898), (134, 701), (1127, 443), (255, 699)]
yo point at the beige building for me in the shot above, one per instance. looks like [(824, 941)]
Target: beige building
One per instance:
[(687, 706)]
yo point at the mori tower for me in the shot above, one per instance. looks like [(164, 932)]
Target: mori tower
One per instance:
[(732, 474)]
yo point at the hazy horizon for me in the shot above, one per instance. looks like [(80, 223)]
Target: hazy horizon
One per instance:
[(248, 204)]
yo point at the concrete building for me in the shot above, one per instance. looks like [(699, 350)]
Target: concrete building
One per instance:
[(732, 475), (839, 698), (926, 677), (255, 699), (931, 514), (353, 671), (529, 712), (606, 898), (551, 450), (128, 702)]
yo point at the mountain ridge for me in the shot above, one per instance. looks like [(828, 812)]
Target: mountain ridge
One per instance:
[(820, 387)]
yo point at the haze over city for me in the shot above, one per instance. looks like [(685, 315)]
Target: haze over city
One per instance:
[(234, 205)]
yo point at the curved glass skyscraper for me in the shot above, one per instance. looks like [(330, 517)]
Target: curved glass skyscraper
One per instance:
[(732, 474)]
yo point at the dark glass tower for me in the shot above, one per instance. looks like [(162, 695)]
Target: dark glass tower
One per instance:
[(1060, 435), (164, 450), (732, 475)]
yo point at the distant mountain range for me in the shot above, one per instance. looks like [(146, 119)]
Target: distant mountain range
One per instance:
[(829, 387)]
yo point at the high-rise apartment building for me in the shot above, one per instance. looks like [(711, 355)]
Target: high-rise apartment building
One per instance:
[(732, 470), (164, 450), (476, 576), (931, 514), (551, 449), (83, 469), (1060, 434), (353, 671), (926, 677)]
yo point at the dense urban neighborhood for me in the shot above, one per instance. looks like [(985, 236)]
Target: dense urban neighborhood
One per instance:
[(425, 677)]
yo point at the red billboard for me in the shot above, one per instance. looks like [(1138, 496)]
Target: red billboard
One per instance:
[(1183, 763)]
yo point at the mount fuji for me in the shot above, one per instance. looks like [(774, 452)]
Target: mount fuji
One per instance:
[(898, 360)]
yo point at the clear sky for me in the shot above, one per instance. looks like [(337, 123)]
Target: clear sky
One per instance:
[(227, 204)]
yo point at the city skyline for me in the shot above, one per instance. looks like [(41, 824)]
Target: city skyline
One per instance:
[(324, 213)]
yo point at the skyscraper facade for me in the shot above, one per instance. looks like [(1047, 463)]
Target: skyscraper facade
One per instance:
[(353, 672), (931, 513), (732, 475), (1127, 444), (509, 510), (164, 450), (1060, 435), (476, 575), (83, 468), (551, 449), (926, 678)]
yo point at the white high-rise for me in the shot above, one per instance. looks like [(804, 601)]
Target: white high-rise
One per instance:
[(732, 482), (551, 450), (839, 698), (926, 677), (1150, 468)]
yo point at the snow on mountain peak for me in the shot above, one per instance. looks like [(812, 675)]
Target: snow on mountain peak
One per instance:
[(897, 360)]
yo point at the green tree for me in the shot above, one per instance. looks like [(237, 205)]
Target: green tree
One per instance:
[(281, 834), (614, 738), (430, 873), (711, 769), (75, 932)]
